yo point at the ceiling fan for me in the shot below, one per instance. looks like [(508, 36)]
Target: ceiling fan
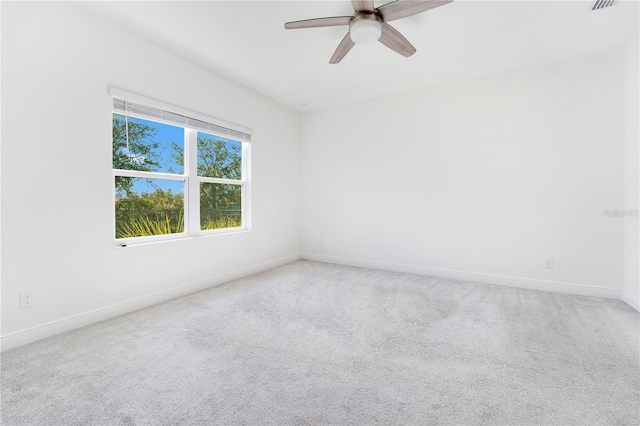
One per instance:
[(369, 24)]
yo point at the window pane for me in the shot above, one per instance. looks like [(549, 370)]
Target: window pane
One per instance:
[(219, 157), (150, 146), (220, 206), (146, 207)]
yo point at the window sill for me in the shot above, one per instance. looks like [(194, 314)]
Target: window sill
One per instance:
[(146, 241)]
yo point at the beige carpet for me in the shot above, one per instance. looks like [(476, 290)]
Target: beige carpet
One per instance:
[(311, 343)]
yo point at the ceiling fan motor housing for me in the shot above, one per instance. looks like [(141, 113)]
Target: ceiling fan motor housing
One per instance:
[(365, 28)]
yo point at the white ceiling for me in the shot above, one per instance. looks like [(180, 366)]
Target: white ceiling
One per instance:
[(246, 41)]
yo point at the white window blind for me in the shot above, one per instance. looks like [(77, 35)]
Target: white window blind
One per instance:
[(131, 104)]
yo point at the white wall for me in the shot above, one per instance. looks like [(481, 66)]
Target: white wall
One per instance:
[(57, 64), (631, 287), (477, 180)]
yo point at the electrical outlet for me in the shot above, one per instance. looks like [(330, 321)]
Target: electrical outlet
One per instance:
[(26, 300), (548, 262)]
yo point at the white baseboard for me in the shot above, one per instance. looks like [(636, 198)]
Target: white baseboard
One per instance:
[(32, 334), (634, 302), (519, 282)]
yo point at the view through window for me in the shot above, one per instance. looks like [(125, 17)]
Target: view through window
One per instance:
[(175, 181)]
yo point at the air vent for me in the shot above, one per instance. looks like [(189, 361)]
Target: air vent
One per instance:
[(601, 4)]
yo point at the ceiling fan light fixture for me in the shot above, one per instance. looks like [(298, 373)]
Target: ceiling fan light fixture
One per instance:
[(365, 30)]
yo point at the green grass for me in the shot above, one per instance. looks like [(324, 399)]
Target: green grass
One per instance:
[(144, 226)]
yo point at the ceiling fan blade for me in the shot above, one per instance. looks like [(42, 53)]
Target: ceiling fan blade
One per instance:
[(333, 21), (363, 5), (395, 41), (343, 48), (403, 8)]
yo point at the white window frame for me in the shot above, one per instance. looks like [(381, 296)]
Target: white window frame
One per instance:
[(190, 176)]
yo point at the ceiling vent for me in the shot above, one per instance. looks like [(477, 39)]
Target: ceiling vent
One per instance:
[(601, 4)]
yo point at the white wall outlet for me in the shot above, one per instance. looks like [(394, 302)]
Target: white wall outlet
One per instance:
[(548, 262), (26, 299)]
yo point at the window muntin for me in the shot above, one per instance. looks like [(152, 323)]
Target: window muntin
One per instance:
[(152, 174)]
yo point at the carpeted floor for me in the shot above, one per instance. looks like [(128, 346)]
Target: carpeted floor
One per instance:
[(312, 343)]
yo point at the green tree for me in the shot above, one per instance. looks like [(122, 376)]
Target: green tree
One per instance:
[(137, 152), (217, 158), (135, 147)]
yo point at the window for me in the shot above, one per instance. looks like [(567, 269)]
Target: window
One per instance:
[(175, 172)]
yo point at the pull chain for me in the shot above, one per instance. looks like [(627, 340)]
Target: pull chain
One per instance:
[(126, 125)]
